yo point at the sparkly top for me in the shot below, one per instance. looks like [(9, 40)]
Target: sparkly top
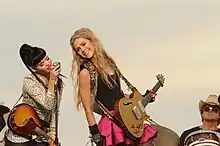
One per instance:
[(36, 95)]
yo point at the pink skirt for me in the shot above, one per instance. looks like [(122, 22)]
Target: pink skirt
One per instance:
[(114, 134)]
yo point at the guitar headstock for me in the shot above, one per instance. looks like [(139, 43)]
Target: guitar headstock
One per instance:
[(161, 79)]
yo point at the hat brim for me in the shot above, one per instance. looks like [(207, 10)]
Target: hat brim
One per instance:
[(202, 103)]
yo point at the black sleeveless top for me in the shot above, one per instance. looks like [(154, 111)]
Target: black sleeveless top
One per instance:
[(108, 96)]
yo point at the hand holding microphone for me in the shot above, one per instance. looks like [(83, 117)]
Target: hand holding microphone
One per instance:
[(56, 69)]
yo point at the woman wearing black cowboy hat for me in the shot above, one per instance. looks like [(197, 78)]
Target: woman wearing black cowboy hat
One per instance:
[(38, 91)]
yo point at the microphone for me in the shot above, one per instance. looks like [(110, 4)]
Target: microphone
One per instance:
[(56, 64)]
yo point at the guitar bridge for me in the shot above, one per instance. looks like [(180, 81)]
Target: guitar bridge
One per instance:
[(137, 113)]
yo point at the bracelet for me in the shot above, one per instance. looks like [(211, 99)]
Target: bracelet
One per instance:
[(51, 133)]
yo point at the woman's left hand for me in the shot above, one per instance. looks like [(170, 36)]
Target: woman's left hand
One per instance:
[(152, 93)]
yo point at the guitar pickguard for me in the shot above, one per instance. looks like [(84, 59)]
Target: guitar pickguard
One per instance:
[(127, 103)]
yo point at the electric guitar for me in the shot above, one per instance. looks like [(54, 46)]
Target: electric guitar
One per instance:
[(131, 111), (24, 121)]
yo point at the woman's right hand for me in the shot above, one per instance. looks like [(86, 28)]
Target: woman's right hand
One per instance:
[(97, 138), (55, 71), (52, 141)]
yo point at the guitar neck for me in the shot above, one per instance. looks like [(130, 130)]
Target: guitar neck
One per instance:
[(41, 133), (148, 97)]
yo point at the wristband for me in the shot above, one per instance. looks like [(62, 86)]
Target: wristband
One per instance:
[(94, 129)]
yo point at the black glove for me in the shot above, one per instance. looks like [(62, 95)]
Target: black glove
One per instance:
[(96, 136)]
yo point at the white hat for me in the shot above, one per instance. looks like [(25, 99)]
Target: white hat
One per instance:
[(212, 99)]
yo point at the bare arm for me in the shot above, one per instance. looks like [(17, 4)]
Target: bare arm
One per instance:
[(84, 88), (84, 91), (51, 83)]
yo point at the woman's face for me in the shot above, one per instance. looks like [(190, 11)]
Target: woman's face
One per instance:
[(84, 47), (45, 66)]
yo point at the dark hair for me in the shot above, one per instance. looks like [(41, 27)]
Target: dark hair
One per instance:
[(31, 56), (4, 109)]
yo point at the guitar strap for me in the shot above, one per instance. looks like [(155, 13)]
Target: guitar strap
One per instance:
[(17, 100), (100, 108), (115, 120), (118, 122)]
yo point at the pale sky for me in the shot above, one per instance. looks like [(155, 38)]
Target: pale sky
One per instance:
[(179, 38)]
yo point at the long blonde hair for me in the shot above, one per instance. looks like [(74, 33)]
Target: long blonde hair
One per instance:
[(101, 57)]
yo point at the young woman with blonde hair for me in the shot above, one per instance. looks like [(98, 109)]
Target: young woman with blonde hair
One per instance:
[(97, 77)]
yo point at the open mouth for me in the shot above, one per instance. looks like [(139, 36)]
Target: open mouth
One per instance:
[(86, 51)]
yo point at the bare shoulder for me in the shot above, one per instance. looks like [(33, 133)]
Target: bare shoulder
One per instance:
[(84, 85), (84, 76)]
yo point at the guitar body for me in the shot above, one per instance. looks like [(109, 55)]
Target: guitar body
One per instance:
[(131, 111), (125, 110), (23, 119)]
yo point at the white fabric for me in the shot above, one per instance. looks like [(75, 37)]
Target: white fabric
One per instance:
[(205, 143)]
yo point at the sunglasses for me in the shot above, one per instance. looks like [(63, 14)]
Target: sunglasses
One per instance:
[(211, 108)]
